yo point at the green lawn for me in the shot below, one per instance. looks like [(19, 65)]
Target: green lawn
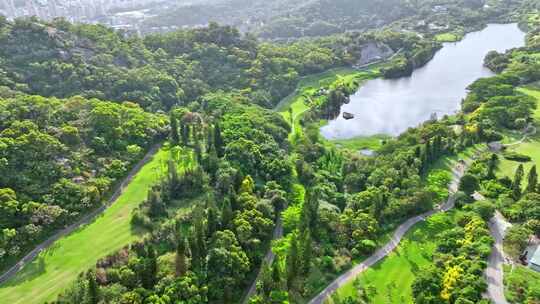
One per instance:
[(297, 100), (393, 276), (518, 281), (363, 142), (58, 266), (448, 162), (448, 37), (530, 147)]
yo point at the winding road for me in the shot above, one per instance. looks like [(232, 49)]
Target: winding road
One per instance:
[(268, 260), (494, 272), (457, 173), (84, 220)]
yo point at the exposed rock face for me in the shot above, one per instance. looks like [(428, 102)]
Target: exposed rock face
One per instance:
[(348, 115), (372, 52)]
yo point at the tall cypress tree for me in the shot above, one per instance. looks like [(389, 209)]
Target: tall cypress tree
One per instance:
[(212, 220), (181, 257), (492, 165), (532, 180), (516, 184), (150, 269), (428, 151), (226, 213), (292, 262), (276, 273), (93, 289), (198, 152), (174, 130), (306, 253), (196, 252), (218, 140), (185, 134)]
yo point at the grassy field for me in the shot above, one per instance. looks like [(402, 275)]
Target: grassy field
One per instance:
[(448, 37), (393, 276), (58, 266), (296, 102), (518, 281), (364, 142), (448, 162), (530, 147)]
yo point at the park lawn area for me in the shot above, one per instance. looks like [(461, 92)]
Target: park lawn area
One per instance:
[(362, 142), (392, 277), (58, 266), (296, 100), (530, 147), (448, 162), (448, 37), (519, 280)]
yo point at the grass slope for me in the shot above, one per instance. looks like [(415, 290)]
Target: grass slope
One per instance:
[(393, 276), (58, 266), (449, 37), (520, 281), (530, 147), (295, 101)]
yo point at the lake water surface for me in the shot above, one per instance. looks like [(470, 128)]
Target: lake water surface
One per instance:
[(390, 106)]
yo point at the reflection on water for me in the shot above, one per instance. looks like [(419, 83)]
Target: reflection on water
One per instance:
[(391, 106)]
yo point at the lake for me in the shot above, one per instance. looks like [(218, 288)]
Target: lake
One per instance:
[(390, 106)]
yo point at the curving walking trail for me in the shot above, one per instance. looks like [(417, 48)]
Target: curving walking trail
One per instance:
[(457, 173), (529, 131), (8, 274), (494, 272)]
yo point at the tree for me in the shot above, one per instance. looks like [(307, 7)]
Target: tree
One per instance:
[(212, 221), (492, 165), (229, 265), (182, 249), (149, 276), (516, 239), (468, 184), (174, 130), (93, 289), (226, 213), (218, 140), (276, 272), (516, 184), (485, 209), (532, 180), (292, 261), (248, 185), (306, 251)]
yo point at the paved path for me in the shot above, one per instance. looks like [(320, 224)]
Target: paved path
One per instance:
[(494, 272), (84, 220), (457, 173), (530, 130), (268, 260)]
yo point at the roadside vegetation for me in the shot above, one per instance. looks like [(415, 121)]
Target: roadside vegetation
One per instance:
[(390, 281), (56, 267), (522, 285)]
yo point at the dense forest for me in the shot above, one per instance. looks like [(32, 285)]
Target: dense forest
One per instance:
[(81, 104), (285, 20)]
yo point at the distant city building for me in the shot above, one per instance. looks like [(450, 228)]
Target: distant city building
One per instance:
[(123, 14)]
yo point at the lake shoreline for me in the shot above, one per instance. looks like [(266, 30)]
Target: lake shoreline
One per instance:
[(374, 117)]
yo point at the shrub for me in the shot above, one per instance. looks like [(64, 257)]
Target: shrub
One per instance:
[(511, 155)]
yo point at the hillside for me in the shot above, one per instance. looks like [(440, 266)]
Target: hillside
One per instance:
[(80, 104)]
